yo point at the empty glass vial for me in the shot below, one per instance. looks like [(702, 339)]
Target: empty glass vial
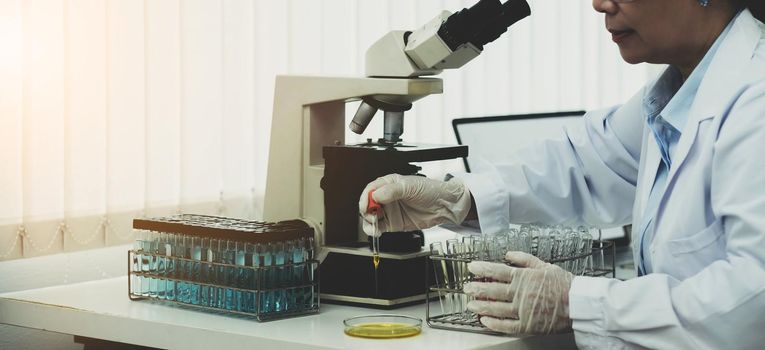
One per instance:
[(135, 279)]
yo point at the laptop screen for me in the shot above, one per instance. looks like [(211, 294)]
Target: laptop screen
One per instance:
[(492, 138)]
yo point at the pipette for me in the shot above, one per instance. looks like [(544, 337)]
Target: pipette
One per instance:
[(374, 208)]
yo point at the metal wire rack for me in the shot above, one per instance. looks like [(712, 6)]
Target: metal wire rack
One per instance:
[(599, 262), (260, 270), (262, 293)]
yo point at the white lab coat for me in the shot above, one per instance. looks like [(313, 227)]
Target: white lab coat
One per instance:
[(707, 290)]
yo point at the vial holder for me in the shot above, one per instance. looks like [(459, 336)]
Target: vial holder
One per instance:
[(571, 249), (260, 270)]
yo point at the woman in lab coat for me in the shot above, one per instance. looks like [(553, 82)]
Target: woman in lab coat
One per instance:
[(680, 160)]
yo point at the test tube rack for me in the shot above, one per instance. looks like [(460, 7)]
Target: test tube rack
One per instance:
[(259, 270), (598, 262)]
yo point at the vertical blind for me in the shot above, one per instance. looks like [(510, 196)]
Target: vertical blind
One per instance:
[(115, 109)]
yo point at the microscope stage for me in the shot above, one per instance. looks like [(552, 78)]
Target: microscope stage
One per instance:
[(403, 152)]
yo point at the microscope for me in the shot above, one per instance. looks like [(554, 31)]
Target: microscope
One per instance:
[(313, 175)]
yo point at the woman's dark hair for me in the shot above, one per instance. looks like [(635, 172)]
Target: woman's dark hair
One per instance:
[(756, 6)]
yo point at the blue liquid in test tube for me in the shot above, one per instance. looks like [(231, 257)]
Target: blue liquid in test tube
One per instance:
[(257, 278), (216, 294), (241, 278), (248, 280), (181, 270), (135, 284), (161, 265), (205, 272), (153, 242), (280, 278), (298, 257), (266, 302), (195, 248), (170, 266), (145, 265), (230, 272)]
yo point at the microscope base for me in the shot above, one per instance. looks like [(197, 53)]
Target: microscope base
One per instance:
[(348, 276)]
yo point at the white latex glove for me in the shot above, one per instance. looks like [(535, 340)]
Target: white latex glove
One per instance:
[(414, 202), (531, 298)]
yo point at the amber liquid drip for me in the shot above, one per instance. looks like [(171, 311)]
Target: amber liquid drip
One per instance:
[(376, 255)]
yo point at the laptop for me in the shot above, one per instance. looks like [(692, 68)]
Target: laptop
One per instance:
[(490, 139)]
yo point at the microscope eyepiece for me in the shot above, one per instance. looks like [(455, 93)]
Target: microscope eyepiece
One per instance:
[(463, 25), (483, 23), (512, 12)]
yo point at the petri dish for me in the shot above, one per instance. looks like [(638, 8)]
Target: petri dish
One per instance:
[(383, 326)]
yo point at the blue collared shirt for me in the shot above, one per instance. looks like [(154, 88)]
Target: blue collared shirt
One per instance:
[(667, 106)]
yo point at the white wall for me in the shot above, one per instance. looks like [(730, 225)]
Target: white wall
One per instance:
[(121, 108), (112, 109)]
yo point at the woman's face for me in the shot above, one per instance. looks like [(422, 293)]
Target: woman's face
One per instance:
[(661, 31)]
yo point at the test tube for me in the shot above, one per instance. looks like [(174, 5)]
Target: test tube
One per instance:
[(266, 296), (135, 278), (461, 276), (479, 248), (293, 258), (453, 273), (586, 249), (241, 277), (309, 273), (161, 266), (216, 273), (188, 254), (205, 271), (195, 250), (280, 260), (153, 238), (468, 240), (557, 247), (439, 271), (512, 240), (229, 257), (170, 271), (572, 250), (250, 278), (501, 242), (145, 263), (181, 270), (545, 245), (258, 277)]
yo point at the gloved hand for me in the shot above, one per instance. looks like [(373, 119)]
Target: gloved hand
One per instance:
[(531, 298), (414, 202)]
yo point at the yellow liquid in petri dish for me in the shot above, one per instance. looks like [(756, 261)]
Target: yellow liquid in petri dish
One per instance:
[(383, 330)]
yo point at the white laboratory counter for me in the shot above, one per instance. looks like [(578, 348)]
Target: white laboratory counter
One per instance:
[(101, 309)]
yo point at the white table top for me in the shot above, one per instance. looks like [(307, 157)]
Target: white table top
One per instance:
[(101, 309)]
